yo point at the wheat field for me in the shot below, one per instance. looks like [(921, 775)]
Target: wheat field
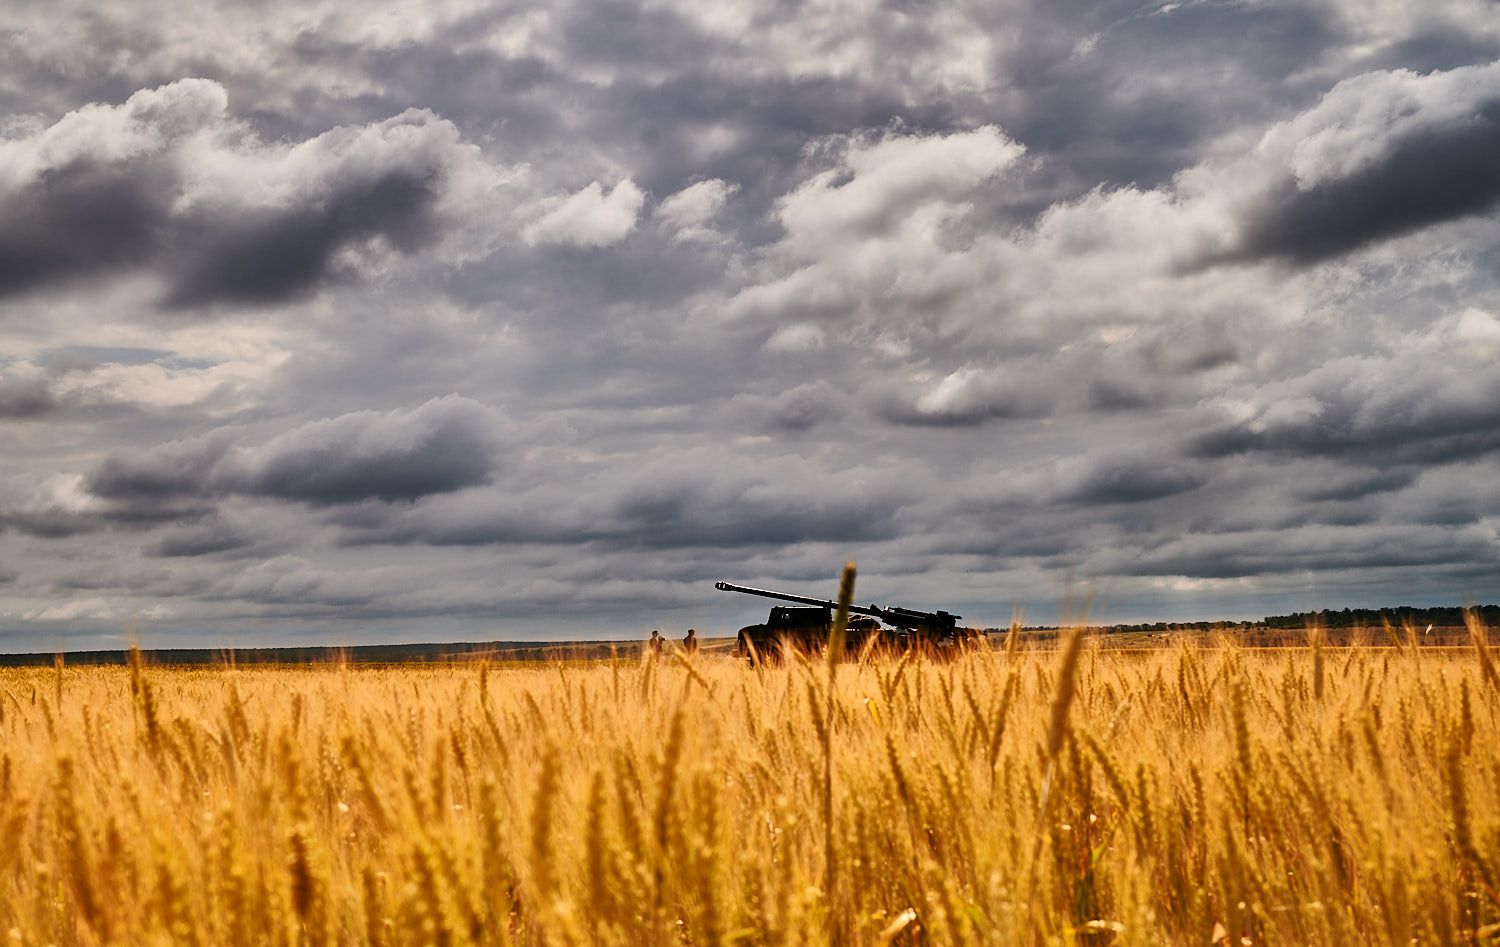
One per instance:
[(1191, 794)]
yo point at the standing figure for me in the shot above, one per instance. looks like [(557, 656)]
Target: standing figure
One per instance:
[(690, 643), (655, 644)]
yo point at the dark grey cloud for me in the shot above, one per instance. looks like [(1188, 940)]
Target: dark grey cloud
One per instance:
[(1135, 480), (48, 524), (61, 523), (791, 411), (1096, 113), (1443, 47), (1329, 548), (1339, 483), (25, 398), (81, 218), (168, 183), (215, 536), (686, 502), (161, 473), (265, 257), (1446, 175), (441, 446), (711, 115), (1366, 412)]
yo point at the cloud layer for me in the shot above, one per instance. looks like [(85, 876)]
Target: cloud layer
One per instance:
[(323, 322), (169, 183)]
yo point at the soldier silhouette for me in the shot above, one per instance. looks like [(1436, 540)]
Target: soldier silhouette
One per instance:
[(655, 644), (690, 643)]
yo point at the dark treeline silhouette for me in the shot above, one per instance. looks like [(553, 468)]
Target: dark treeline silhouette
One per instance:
[(1440, 617), (1397, 616), (1183, 626)]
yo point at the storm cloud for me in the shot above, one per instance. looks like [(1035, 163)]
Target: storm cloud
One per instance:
[(1382, 155), (329, 322), (1377, 409), (81, 218), (171, 183), (441, 446), (444, 445), (25, 398)]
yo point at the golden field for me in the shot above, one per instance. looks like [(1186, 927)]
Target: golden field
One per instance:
[(1182, 795)]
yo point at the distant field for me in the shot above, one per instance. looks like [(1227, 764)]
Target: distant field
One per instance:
[(502, 652), (1176, 794), (419, 653)]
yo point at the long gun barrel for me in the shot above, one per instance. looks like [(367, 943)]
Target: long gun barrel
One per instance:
[(939, 623)]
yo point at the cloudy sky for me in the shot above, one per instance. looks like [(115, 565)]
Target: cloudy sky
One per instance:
[(340, 322)]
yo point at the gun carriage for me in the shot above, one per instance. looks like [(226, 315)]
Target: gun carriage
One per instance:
[(807, 628)]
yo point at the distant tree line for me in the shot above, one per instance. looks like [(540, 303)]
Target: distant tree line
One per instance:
[(1441, 617), (1181, 626)]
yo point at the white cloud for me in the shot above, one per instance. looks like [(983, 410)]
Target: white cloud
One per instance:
[(879, 183), (174, 185), (798, 337), (588, 218), (1479, 331), (691, 211), (1357, 124), (150, 122), (887, 237), (73, 609), (973, 394)]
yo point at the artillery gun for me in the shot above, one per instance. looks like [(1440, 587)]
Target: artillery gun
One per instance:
[(807, 628)]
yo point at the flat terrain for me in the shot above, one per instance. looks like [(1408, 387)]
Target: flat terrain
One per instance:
[(1178, 795), (572, 652)]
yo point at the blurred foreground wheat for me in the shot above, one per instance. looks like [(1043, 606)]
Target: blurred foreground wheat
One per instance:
[(1185, 795)]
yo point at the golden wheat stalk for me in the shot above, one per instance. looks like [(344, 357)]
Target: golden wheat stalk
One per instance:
[(835, 653), (1480, 636)]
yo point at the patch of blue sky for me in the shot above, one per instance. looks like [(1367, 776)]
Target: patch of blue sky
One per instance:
[(121, 355)]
